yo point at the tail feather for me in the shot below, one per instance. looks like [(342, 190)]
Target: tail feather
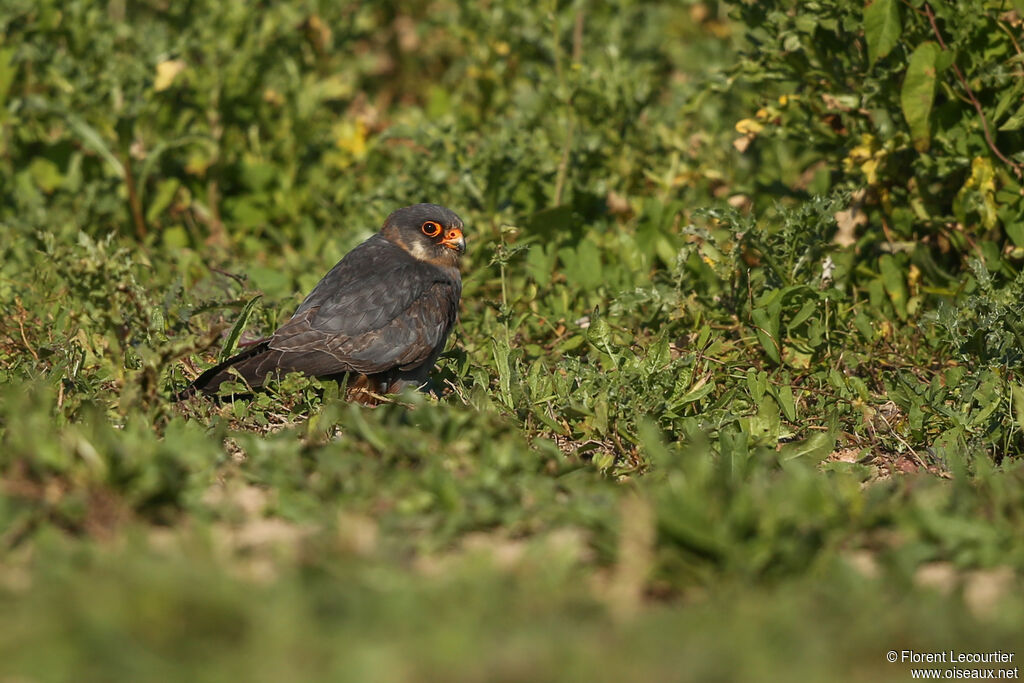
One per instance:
[(253, 364), (258, 363)]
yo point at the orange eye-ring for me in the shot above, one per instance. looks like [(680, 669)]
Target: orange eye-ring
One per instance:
[(431, 228)]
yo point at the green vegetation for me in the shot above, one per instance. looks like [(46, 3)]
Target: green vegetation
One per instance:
[(736, 393)]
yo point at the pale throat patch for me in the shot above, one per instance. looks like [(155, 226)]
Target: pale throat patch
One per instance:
[(419, 250), (444, 258)]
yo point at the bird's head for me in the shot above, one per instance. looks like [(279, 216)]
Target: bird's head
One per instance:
[(427, 231)]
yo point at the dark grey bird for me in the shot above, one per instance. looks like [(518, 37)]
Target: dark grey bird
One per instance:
[(379, 318)]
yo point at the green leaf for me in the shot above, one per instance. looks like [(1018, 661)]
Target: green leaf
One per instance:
[(757, 384), (814, 448), (699, 390), (231, 343), (882, 28), (7, 71), (45, 173), (583, 264), (864, 326), (93, 140), (944, 60), (1015, 122), (500, 351), (165, 192), (1017, 393), (784, 394), (271, 281), (805, 312), (174, 237), (653, 442), (658, 355), (599, 333), (1009, 97), (918, 93), (988, 399), (766, 323), (539, 411), (702, 338), (369, 432), (765, 426), (894, 281)]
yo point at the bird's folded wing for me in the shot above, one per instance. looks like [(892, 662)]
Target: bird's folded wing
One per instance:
[(328, 341), (375, 282)]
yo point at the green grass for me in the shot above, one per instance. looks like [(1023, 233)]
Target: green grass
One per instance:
[(681, 432)]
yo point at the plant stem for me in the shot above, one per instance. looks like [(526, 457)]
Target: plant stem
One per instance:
[(570, 126)]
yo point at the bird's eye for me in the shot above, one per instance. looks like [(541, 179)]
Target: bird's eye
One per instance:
[(431, 228)]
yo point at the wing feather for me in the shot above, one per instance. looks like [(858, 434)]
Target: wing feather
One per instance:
[(378, 311), (373, 284)]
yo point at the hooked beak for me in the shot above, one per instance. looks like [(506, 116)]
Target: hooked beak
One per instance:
[(454, 239)]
